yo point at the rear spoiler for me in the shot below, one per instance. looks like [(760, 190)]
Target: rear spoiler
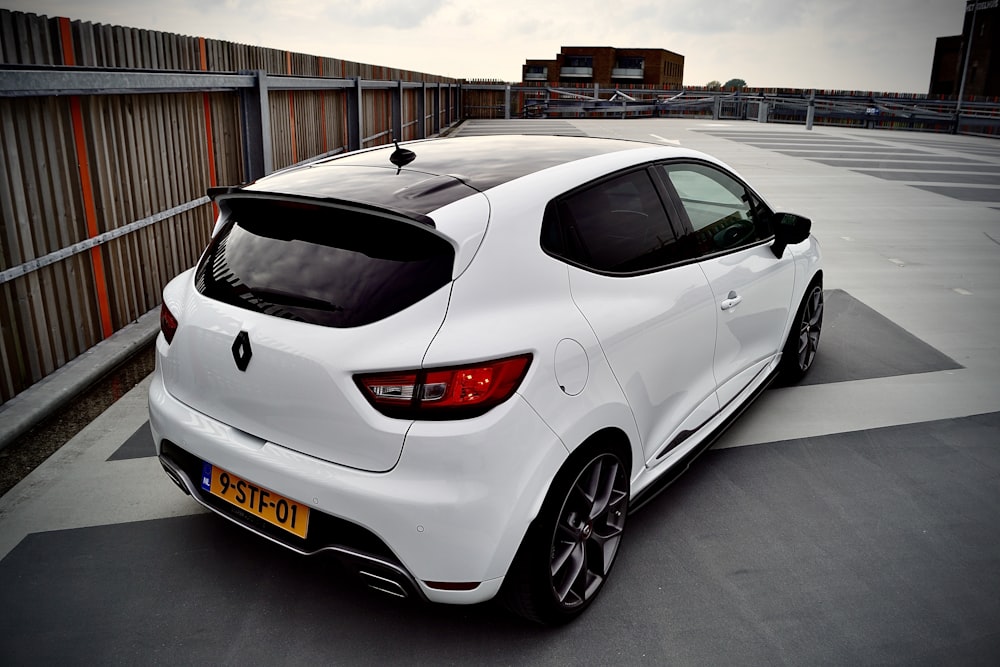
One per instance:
[(217, 191), (226, 191)]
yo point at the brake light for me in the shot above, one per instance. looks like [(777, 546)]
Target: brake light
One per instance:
[(168, 323), (457, 392)]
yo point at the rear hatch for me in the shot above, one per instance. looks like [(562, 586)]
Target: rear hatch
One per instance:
[(294, 297)]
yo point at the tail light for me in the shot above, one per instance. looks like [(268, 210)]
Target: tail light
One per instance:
[(168, 323), (457, 392)]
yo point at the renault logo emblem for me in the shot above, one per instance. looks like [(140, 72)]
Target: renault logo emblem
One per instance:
[(242, 351)]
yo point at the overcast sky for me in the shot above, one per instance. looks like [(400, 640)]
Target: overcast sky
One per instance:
[(882, 45)]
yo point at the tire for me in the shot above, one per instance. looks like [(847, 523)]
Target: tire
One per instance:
[(800, 349), (568, 551)]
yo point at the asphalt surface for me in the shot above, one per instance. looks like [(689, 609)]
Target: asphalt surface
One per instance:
[(854, 517)]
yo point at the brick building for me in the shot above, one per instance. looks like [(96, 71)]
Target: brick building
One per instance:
[(607, 66), (982, 77)]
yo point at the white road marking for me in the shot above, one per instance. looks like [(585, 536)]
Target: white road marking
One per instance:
[(675, 142)]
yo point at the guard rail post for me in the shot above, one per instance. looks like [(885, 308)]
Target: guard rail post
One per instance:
[(355, 117), (437, 109), (422, 112), (397, 111), (256, 115)]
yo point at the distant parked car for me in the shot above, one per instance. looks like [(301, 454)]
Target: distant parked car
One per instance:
[(457, 365)]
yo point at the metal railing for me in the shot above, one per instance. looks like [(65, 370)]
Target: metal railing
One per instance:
[(804, 107)]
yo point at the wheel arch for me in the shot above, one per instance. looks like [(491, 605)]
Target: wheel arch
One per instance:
[(789, 373), (514, 590), (608, 439), (817, 279), (612, 438)]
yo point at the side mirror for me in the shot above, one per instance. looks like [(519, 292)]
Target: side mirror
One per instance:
[(789, 229)]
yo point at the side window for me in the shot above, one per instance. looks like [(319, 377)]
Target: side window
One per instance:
[(618, 225), (723, 214)]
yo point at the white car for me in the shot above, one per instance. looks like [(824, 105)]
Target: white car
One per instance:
[(458, 365)]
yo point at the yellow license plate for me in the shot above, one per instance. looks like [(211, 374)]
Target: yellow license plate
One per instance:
[(268, 505)]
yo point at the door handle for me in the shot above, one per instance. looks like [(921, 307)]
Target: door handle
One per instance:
[(731, 301)]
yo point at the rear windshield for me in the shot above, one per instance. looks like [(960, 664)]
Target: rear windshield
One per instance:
[(323, 265)]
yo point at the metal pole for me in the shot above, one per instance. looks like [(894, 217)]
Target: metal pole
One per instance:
[(811, 111), (506, 102), (449, 92), (355, 116), (965, 69), (397, 111), (256, 128), (422, 112), (436, 123)]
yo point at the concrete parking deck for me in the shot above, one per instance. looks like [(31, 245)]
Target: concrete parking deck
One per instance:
[(852, 518)]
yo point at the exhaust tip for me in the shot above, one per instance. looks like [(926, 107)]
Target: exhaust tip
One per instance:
[(384, 585), (175, 478)]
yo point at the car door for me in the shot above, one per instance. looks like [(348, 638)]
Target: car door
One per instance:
[(727, 228), (655, 319)]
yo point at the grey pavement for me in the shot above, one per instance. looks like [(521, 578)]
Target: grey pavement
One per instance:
[(852, 518)]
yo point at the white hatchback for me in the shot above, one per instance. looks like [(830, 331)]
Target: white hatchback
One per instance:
[(458, 365)]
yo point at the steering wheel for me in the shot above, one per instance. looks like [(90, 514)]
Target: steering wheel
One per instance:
[(734, 235)]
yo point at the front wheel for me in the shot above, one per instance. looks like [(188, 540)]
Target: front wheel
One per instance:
[(569, 549), (803, 340)]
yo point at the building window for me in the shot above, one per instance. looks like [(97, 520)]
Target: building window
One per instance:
[(630, 62)]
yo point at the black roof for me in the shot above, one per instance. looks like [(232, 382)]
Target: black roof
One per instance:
[(444, 171)]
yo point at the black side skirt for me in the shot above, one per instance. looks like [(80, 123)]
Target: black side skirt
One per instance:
[(678, 468)]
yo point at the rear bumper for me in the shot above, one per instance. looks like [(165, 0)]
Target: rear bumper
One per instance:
[(453, 511), (379, 570)]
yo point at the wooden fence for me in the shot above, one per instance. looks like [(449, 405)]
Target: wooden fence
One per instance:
[(109, 138)]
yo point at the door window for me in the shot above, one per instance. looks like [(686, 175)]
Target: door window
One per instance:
[(723, 214), (618, 225)]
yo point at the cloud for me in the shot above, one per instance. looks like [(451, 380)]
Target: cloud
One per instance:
[(723, 16), (399, 14), (863, 44)]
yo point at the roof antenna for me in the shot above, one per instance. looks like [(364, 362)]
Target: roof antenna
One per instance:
[(401, 156)]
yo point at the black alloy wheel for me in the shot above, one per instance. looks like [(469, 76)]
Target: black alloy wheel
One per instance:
[(803, 340), (570, 549)]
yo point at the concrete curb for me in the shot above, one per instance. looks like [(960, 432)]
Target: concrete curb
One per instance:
[(44, 398)]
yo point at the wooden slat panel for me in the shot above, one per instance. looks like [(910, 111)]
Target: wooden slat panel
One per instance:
[(46, 222), (147, 154), (8, 54), (172, 191), (80, 330), (83, 44), (226, 140), (18, 246), (281, 136)]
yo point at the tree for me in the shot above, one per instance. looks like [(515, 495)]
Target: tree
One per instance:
[(738, 84), (713, 85)]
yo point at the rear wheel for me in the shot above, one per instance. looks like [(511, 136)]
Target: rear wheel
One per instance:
[(803, 340), (568, 552)]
